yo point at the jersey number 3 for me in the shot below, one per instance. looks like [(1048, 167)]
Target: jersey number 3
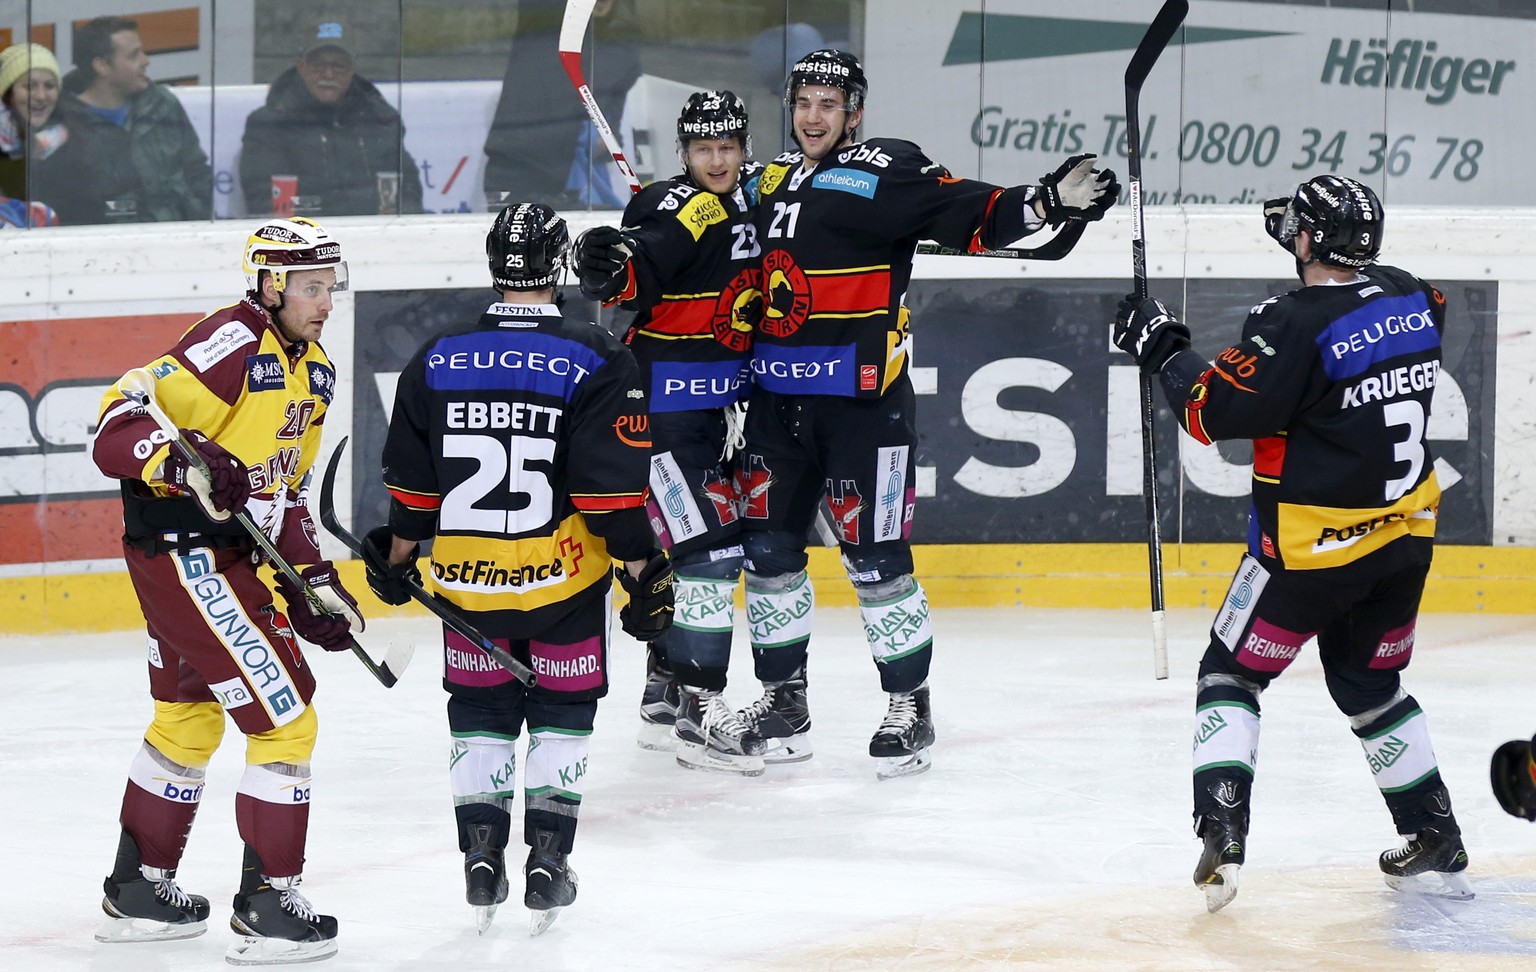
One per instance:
[(1410, 449), (499, 463)]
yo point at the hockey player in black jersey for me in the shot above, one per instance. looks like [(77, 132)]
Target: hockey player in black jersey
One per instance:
[(832, 406), (687, 260), (519, 443), (1332, 382)]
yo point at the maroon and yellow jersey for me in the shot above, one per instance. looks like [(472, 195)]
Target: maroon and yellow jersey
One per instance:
[(233, 378), (837, 257)]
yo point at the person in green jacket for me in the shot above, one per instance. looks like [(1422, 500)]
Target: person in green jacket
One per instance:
[(119, 115)]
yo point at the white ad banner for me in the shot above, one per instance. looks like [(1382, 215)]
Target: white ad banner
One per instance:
[(1248, 100)]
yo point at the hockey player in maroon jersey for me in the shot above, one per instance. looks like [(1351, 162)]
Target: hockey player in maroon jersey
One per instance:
[(249, 385), (832, 406), (1333, 383), (519, 442), (687, 260)]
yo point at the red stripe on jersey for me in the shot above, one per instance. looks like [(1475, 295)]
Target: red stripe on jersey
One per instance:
[(630, 287), (608, 503), (682, 316), (1195, 426), (850, 293), (1268, 456), (975, 245), (414, 501)]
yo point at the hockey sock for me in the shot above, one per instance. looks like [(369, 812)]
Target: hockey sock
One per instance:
[(1226, 727), (1395, 738), (898, 629), (557, 771), (700, 636), (272, 813), (482, 768), (779, 613), (159, 804)]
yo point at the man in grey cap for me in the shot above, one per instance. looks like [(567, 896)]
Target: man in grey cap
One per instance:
[(329, 127)]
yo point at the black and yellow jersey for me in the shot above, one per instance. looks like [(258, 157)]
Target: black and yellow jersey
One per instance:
[(1333, 384), (521, 442), (837, 257)]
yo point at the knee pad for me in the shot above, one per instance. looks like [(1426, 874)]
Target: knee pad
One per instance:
[(186, 733), (774, 552), (293, 743), (1226, 724), (878, 565), (722, 563), (895, 614), (483, 769)]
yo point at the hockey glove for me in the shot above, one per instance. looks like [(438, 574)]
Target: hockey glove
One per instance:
[(389, 582), (1147, 331), (222, 490), (1513, 773), (601, 255), (1076, 190), (649, 611), (333, 629)]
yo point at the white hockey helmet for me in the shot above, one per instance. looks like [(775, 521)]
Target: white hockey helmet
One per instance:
[(281, 245)]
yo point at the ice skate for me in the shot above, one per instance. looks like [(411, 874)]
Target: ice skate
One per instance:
[(551, 884), (783, 719), (901, 744), (485, 876), (1430, 862), (658, 705), (151, 908), (712, 737), (276, 925), (1225, 835)]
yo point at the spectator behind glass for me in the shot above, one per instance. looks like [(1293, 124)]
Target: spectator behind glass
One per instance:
[(541, 145), (148, 165), (329, 126), (29, 132)]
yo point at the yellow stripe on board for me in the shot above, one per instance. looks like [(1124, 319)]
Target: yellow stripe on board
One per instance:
[(1495, 580)]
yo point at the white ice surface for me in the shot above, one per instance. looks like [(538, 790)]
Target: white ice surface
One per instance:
[(1052, 831)]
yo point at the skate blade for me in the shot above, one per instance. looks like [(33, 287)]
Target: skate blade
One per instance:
[(483, 916), (890, 767), (656, 737), (1221, 888), (539, 921), (261, 950), (793, 749), (700, 757), (114, 930), (1433, 884)]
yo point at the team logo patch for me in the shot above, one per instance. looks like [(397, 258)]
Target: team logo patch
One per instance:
[(788, 295), (846, 503), (263, 372), (752, 482), (322, 381), (721, 494), (738, 310)]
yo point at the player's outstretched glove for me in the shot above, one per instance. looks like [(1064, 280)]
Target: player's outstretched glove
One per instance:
[(649, 611), (1147, 330), (219, 493), (601, 254), (1076, 190), (1513, 774), (389, 582), (331, 630)]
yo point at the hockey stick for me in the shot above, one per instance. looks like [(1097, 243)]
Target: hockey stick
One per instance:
[(573, 30), (446, 614), (1054, 248), (138, 386), (1158, 34)]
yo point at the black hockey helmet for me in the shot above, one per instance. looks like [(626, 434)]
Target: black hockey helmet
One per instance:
[(528, 247), (1341, 216), (713, 114), (832, 69)]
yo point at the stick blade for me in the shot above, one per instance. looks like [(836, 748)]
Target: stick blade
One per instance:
[(573, 29), (1158, 34)]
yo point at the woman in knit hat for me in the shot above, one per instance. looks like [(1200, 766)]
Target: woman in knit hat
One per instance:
[(29, 131)]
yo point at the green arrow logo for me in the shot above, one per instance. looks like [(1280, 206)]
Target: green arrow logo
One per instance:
[(986, 38)]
